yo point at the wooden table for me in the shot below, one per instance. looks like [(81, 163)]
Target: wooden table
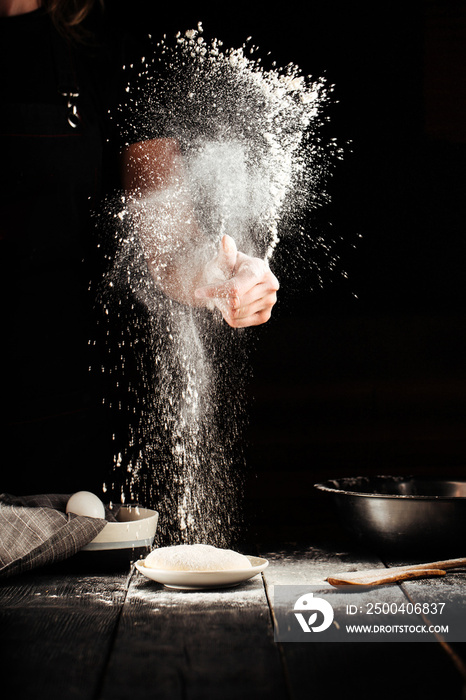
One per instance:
[(84, 636)]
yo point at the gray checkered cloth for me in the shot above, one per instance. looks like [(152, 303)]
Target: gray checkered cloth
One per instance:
[(35, 530)]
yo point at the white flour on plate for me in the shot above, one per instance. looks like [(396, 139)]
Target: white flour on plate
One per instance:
[(196, 557)]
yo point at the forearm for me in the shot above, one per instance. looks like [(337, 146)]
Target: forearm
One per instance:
[(163, 218), (181, 275), (180, 260)]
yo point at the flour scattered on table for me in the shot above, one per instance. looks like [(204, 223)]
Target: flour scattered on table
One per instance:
[(196, 557)]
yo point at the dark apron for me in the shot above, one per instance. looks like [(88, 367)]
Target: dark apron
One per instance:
[(50, 175)]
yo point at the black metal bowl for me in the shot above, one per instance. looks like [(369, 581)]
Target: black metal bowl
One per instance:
[(403, 514)]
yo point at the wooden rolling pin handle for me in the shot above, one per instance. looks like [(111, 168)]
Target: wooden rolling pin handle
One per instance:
[(390, 578), (373, 577)]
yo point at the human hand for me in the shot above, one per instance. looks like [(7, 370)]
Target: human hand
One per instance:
[(241, 287)]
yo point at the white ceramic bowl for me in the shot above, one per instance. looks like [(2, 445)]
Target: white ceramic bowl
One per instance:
[(135, 529)]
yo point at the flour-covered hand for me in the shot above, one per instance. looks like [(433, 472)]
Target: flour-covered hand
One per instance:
[(243, 288)]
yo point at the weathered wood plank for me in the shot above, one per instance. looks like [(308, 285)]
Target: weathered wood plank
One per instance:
[(451, 592), (195, 644), (379, 669), (96, 637), (56, 633), (298, 565)]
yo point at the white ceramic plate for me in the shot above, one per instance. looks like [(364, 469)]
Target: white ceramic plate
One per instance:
[(195, 580)]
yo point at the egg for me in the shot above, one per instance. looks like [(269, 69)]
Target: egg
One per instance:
[(86, 503)]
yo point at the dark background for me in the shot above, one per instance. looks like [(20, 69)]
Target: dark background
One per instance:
[(365, 374)]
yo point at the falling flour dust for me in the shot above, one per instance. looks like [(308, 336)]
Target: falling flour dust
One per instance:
[(254, 162)]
